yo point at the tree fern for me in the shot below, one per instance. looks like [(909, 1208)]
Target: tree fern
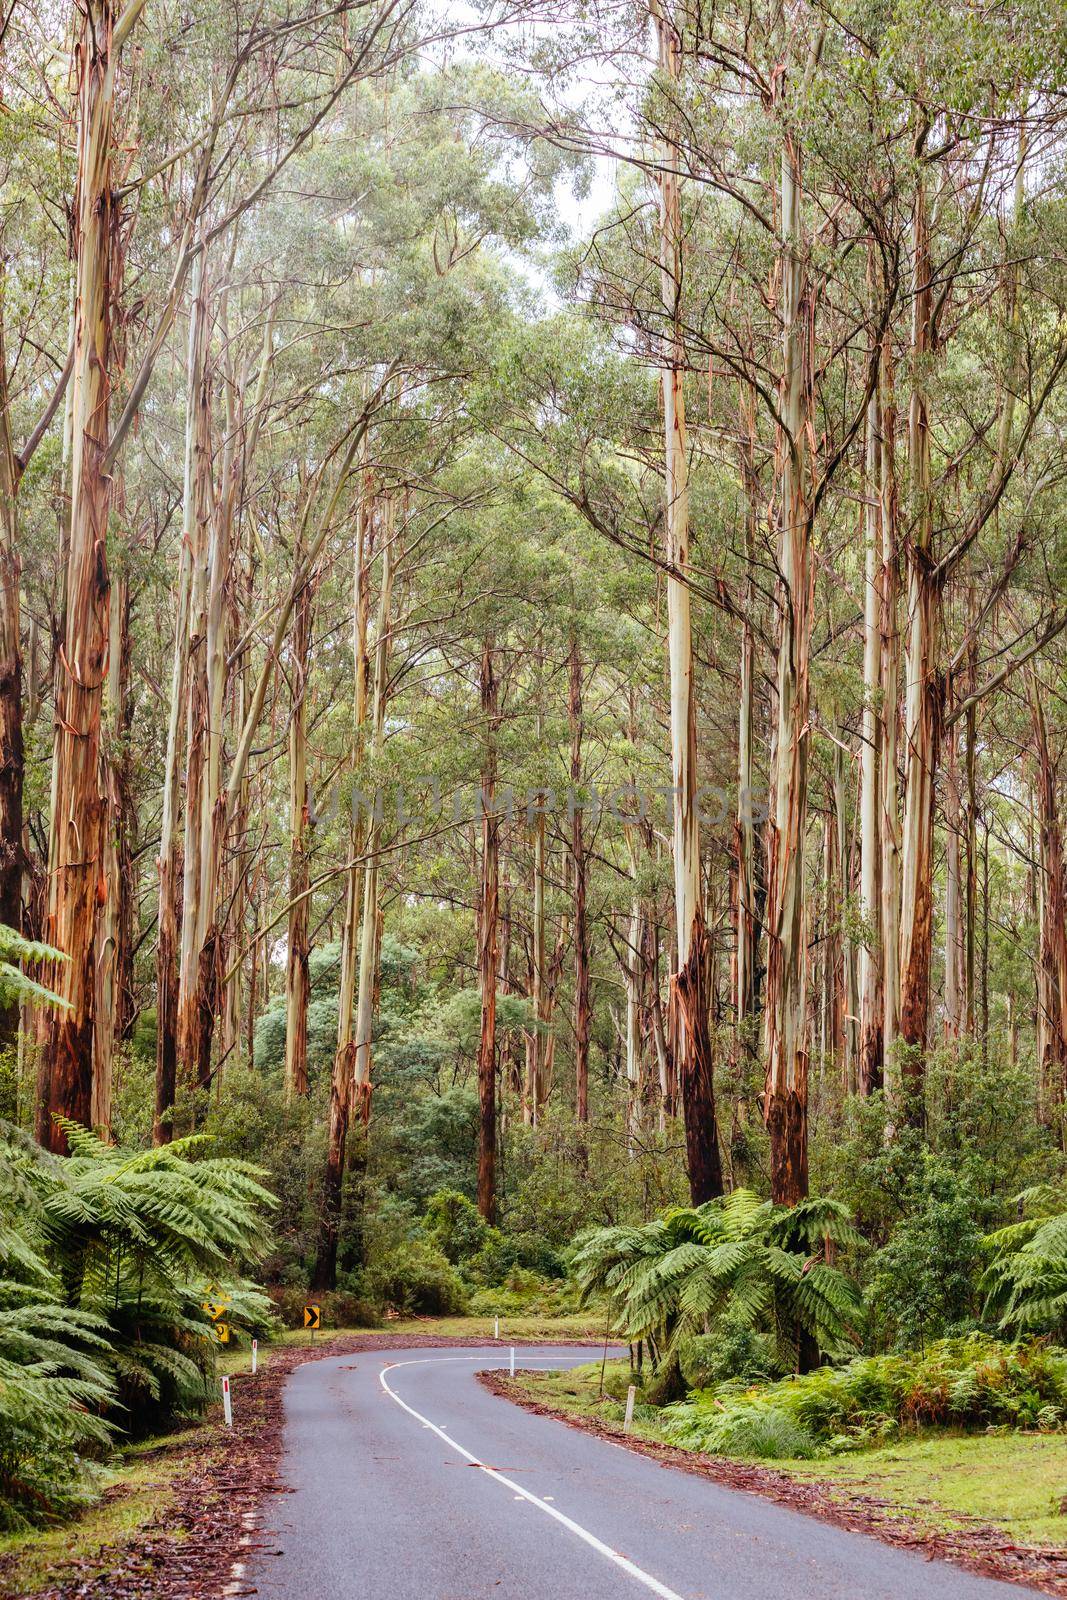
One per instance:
[(1026, 1280), (763, 1263), (107, 1258)]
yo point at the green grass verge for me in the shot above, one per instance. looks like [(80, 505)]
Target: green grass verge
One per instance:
[(139, 1490), (936, 1481)]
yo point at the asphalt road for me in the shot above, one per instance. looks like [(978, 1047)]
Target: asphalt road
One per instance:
[(412, 1482)]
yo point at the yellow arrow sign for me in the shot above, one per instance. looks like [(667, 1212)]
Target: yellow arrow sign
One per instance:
[(311, 1317), (215, 1308)]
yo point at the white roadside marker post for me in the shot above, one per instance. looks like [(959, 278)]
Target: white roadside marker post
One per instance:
[(227, 1408), (255, 1355), (629, 1418), (496, 1327), (512, 1366)]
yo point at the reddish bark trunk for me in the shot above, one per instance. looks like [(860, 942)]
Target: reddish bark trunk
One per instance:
[(76, 866), (696, 1077)]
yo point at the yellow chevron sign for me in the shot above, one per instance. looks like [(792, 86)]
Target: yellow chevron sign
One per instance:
[(312, 1318)]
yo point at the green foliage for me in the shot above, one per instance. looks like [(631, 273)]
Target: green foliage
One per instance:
[(339, 1307), (454, 1224), (107, 1258), (972, 1382), (924, 1280), (416, 1279), (765, 1264), (735, 1350), (15, 983), (1026, 1281)]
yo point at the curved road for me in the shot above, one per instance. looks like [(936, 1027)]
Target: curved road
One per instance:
[(412, 1482)]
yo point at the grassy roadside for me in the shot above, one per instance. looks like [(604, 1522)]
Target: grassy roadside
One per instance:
[(139, 1489), (937, 1483), (143, 1480)]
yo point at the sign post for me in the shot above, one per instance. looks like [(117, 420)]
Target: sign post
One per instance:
[(628, 1421), (227, 1408)]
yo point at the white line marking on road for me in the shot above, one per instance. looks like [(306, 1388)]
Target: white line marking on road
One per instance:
[(588, 1538)]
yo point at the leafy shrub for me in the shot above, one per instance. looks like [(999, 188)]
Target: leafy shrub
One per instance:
[(734, 1350), (455, 1226), (525, 1293), (340, 1308), (924, 1280), (53, 1384), (122, 1249), (416, 1279), (757, 1432), (971, 1382)]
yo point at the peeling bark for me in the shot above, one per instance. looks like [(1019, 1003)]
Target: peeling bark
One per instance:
[(79, 806), (296, 970), (869, 1072), (786, 1098), (690, 1036), (342, 1076), (923, 688)]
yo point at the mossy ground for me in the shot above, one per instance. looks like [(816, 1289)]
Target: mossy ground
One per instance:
[(139, 1487)]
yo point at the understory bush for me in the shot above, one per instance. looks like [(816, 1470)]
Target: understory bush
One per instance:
[(109, 1261), (415, 1279), (340, 1308), (967, 1383)]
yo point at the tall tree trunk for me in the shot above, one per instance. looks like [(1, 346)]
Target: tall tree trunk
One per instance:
[(849, 991), (114, 926), (871, 843), (786, 1101), (79, 807), (342, 1076), (889, 659), (11, 751), (171, 869), (296, 970), (691, 1035), (747, 891), (488, 904), (582, 1011), (1053, 902), (369, 936), (922, 695), (955, 979), (533, 1093), (635, 1076)]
